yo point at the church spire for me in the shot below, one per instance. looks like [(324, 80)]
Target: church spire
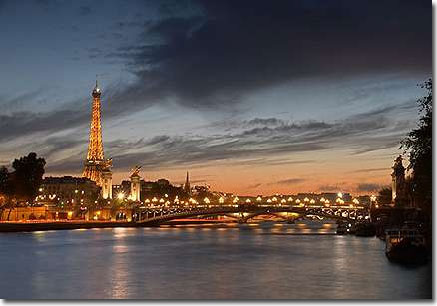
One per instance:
[(187, 187)]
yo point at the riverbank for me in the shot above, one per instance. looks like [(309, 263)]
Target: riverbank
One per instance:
[(60, 225), (31, 226)]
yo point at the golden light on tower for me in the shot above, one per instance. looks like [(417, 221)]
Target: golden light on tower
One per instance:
[(96, 167)]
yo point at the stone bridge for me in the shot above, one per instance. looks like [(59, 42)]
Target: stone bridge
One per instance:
[(150, 217)]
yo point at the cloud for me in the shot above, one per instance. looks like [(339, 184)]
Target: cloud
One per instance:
[(264, 121), (208, 55), (213, 58), (331, 187), (291, 181), (367, 170), (264, 145), (368, 187), (25, 123), (254, 186), (85, 10)]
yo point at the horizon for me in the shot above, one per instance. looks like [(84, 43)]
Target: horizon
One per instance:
[(245, 104)]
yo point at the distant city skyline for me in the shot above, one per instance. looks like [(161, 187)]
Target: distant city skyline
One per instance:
[(249, 97)]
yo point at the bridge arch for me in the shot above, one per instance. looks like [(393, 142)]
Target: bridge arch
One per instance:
[(250, 211)]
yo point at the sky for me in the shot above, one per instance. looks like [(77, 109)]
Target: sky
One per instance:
[(252, 97)]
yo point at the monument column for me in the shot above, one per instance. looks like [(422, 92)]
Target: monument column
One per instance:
[(135, 185)]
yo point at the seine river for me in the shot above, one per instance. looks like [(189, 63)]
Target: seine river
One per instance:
[(279, 261)]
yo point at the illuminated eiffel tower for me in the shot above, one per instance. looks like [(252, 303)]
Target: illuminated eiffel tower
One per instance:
[(96, 167)]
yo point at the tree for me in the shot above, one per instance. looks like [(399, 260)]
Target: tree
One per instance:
[(4, 189), (27, 177), (384, 195), (4, 176), (418, 146)]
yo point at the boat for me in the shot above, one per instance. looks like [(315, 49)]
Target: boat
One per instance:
[(365, 229), (342, 228), (406, 246)]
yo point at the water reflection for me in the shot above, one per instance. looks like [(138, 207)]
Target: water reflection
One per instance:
[(227, 261)]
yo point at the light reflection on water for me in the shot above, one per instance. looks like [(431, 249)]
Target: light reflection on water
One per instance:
[(229, 261)]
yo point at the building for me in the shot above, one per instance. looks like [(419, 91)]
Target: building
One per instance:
[(68, 190), (96, 167)]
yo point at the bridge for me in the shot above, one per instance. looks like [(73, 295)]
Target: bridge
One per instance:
[(154, 217)]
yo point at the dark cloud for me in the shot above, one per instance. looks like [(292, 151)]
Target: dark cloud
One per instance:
[(264, 121), (291, 181), (20, 124), (254, 186), (331, 187), (368, 187), (85, 10), (214, 58)]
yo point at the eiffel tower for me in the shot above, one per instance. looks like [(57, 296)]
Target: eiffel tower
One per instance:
[(96, 167)]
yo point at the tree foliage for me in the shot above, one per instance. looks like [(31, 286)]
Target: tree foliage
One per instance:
[(418, 146), (27, 177), (385, 195)]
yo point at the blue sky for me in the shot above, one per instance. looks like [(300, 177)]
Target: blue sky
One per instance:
[(247, 95)]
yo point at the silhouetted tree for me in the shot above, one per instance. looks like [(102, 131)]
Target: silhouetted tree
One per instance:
[(4, 176), (384, 195), (418, 145), (27, 177)]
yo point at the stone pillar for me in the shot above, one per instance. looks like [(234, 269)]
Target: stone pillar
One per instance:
[(135, 187), (398, 182), (107, 184)]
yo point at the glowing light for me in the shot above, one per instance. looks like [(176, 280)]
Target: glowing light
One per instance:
[(340, 195), (221, 200), (120, 196), (248, 201), (258, 199), (206, 200)]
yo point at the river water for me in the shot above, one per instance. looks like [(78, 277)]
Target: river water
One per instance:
[(279, 261)]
